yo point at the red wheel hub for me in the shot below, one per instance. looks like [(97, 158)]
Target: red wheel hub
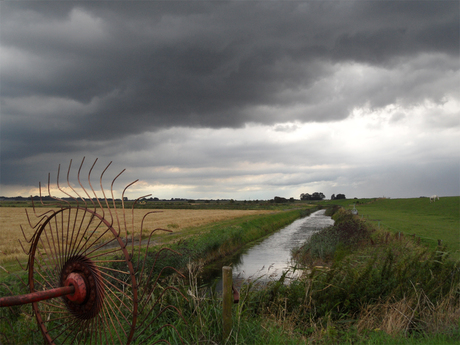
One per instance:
[(78, 282)]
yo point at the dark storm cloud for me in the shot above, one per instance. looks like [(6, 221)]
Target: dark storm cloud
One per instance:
[(84, 74)]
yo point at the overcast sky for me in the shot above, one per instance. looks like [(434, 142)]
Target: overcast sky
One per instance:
[(233, 99)]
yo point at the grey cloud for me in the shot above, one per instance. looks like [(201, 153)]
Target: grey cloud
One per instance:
[(81, 76)]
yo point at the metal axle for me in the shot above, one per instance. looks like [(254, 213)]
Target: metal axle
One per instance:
[(74, 289)]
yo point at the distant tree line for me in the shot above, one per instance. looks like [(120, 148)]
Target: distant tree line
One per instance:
[(279, 199), (320, 196), (314, 196)]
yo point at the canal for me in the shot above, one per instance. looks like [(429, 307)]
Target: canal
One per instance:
[(269, 258)]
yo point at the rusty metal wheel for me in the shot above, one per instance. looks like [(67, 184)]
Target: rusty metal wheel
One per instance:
[(80, 244), (84, 287)]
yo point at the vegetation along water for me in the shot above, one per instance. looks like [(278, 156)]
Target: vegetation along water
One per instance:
[(363, 282)]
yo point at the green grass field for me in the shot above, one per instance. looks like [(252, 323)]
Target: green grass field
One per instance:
[(431, 222)]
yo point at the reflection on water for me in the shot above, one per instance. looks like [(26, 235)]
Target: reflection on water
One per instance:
[(269, 258)]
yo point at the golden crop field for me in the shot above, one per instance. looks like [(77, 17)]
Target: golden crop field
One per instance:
[(12, 218)]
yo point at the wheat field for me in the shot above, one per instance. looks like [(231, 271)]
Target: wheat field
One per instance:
[(12, 218)]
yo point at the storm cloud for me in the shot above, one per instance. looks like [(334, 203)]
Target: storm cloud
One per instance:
[(124, 79)]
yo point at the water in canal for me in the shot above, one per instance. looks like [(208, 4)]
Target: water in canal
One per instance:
[(268, 259)]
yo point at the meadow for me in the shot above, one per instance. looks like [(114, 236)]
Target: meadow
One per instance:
[(439, 220)]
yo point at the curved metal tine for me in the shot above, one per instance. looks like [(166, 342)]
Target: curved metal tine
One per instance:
[(94, 192), (68, 183), (140, 235), (23, 250), (49, 190), (145, 256), (84, 214), (24, 234), (20, 265), (115, 206), (132, 212), (132, 217), (105, 197), (43, 215), (81, 185)]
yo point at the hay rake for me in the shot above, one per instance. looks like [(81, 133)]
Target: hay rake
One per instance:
[(88, 275)]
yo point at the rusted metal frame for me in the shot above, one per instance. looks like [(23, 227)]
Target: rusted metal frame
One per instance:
[(39, 263), (113, 326), (31, 270), (90, 332), (101, 261), (77, 329), (116, 308), (54, 254), (108, 228), (115, 206), (104, 334), (120, 281), (81, 247), (67, 325), (69, 240), (107, 321), (104, 253), (49, 190), (106, 328), (68, 316), (56, 229), (42, 265), (78, 178), (53, 257), (94, 331), (84, 189), (9, 301), (64, 238), (120, 291), (114, 270), (131, 270), (105, 197), (42, 215), (60, 306), (75, 246), (132, 215), (81, 329), (94, 193)]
